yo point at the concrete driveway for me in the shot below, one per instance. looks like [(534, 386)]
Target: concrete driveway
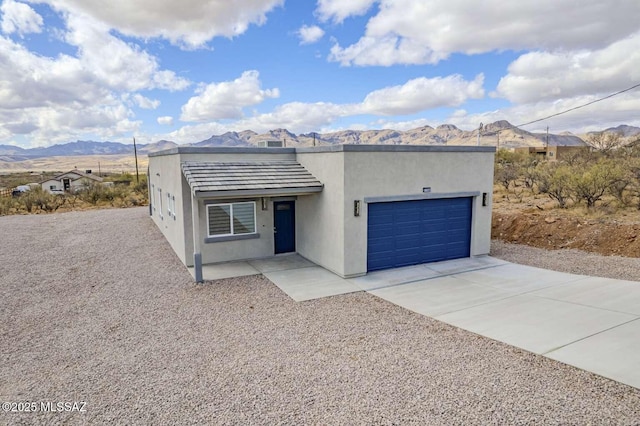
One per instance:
[(588, 322)]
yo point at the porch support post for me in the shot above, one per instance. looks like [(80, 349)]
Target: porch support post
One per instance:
[(197, 253)]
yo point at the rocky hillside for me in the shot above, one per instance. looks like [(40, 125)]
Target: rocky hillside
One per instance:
[(500, 134)]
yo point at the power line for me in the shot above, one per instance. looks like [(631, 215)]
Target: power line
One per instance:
[(570, 109), (580, 106)]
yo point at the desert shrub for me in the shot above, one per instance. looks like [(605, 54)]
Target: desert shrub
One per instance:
[(554, 179), (606, 143), (510, 167), (116, 194), (141, 187), (6, 205), (505, 174), (92, 194), (38, 198), (634, 187), (591, 183)]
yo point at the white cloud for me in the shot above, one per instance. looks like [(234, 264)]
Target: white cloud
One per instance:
[(144, 102), (422, 94), (19, 18), (129, 68), (339, 10), (28, 80), (384, 51), (539, 76), (57, 99), (411, 32), (227, 99), (414, 96), (309, 35), (296, 117), (54, 99), (188, 23), (165, 120)]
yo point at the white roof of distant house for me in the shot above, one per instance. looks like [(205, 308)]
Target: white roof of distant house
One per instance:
[(80, 174)]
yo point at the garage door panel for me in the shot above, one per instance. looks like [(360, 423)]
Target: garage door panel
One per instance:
[(411, 232), (407, 229)]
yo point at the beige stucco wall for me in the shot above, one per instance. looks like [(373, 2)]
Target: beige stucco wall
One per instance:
[(165, 173), (379, 174), (320, 217)]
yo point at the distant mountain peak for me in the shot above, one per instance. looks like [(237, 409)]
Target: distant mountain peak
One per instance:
[(500, 125), (447, 127)]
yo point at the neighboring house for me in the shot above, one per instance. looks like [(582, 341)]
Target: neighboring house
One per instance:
[(554, 152), (72, 181), (348, 208)]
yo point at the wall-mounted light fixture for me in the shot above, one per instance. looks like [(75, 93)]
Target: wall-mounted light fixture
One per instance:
[(484, 199), (265, 203), (426, 189), (356, 207)]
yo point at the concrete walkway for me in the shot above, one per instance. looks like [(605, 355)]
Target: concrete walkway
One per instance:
[(588, 322), (300, 279)]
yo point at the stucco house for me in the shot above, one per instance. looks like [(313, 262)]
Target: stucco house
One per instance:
[(71, 181), (351, 209), (554, 152)]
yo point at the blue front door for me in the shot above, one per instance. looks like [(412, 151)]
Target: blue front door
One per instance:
[(284, 226)]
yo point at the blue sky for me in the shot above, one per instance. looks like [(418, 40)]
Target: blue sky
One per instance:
[(182, 71)]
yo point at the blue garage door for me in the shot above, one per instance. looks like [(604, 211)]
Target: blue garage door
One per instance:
[(410, 232)]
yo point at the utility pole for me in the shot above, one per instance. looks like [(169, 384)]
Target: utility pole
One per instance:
[(547, 140), (479, 131), (135, 153)]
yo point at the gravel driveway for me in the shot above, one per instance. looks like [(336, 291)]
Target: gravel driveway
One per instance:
[(97, 308)]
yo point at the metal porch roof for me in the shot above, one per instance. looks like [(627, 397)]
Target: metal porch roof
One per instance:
[(249, 178)]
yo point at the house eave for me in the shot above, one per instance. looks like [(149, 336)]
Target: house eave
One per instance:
[(248, 193)]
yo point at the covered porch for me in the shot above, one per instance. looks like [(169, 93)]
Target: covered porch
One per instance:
[(244, 210)]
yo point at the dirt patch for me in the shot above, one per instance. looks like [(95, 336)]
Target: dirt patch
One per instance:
[(553, 231)]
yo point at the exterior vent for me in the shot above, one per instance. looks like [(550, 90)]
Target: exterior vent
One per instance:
[(270, 144)]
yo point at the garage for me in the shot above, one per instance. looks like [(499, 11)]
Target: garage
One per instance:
[(403, 233)]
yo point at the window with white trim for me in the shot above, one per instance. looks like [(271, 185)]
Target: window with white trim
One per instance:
[(173, 206), (169, 209), (231, 219), (153, 196)]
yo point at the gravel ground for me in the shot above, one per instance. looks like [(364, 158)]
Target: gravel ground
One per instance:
[(96, 307), (569, 260)]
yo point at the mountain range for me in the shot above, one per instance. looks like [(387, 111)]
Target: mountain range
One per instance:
[(501, 134)]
